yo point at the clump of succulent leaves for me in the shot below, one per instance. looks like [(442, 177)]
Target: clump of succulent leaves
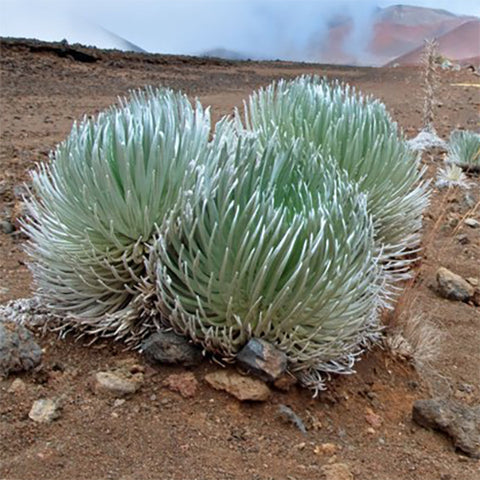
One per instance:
[(292, 226), (464, 150), (101, 198), (358, 135)]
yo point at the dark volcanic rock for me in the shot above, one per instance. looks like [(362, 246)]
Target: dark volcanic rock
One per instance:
[(460, 422), (262, 359), (18, 349), (168, 347)]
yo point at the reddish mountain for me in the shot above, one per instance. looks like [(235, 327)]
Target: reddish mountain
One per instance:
[(461, 44), (395, 32)]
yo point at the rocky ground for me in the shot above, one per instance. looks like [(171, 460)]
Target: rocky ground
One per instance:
[(100, 412)]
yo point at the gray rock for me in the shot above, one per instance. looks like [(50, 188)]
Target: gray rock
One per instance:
[(117, 383), (45, 410), (262, 359), (458, 421), (6, 227), (288, 415), (170, 348), (471, 222), (18, 349), (243, 388), (118, 402), (452, 286), (466, 387)]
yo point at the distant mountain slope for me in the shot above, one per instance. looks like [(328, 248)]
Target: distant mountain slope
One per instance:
[(119, 42), (225, 54), (461, 44), (410, 16), (403, 29), (393, 32)]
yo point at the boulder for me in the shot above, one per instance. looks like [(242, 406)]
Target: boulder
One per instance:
[(460, 422), (453, 286)]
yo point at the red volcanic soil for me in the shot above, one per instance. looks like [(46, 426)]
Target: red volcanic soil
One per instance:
[(156, 434), (461, 44)]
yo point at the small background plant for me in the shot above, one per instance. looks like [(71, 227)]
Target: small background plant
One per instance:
[(464, 150), (451, 176)]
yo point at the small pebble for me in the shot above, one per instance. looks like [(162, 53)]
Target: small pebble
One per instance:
[(6, 227), (45, 410), (471, 222), (17, 386)]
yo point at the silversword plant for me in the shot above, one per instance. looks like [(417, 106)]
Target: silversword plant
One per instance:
[(274, 251), (464, 150), (452, 176), (427, 137), (358, 135), (289, 227), (98, 202)]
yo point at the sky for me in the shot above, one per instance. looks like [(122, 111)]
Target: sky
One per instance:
[(258, 28)]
